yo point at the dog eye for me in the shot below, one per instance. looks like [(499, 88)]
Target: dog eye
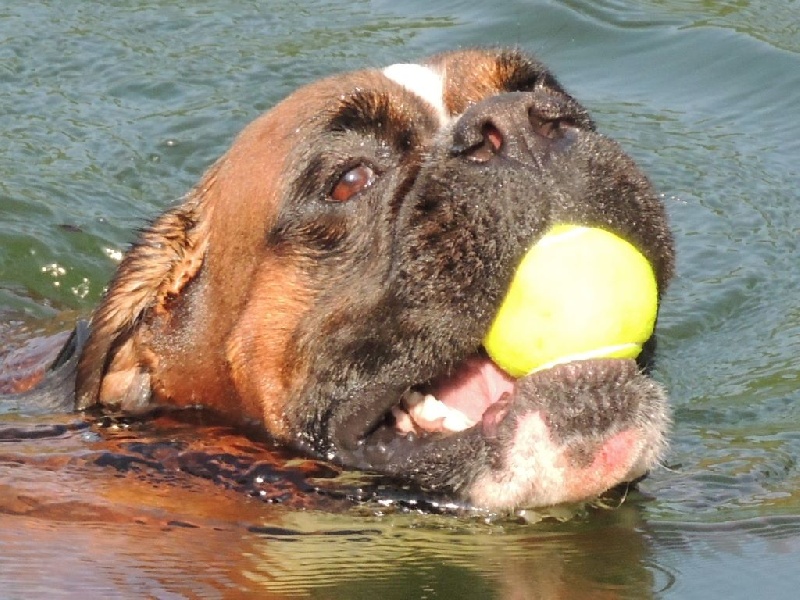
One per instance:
[(352, 182)]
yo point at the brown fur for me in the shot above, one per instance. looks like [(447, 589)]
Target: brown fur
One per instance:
[(268, 299), (195, 290)]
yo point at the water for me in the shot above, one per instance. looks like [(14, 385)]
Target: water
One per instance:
[(109, 113)]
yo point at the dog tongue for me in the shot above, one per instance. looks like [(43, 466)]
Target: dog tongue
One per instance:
[(473, 387)]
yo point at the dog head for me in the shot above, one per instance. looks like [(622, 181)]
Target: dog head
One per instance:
[(333, 275)]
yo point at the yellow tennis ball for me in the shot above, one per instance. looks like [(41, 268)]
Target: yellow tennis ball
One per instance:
[(579, 293)]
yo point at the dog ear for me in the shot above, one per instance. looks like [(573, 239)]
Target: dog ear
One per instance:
[(113, 367)]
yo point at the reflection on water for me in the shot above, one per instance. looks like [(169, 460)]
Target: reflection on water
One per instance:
[(402, 557), (181, 508), (111, 111), (162, 507)]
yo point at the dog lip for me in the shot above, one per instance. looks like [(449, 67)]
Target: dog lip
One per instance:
[(350, 431), (382, 446)]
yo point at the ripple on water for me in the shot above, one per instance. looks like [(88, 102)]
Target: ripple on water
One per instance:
[(110, 112)]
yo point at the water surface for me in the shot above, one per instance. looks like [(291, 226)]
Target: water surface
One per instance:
[(111, 111)]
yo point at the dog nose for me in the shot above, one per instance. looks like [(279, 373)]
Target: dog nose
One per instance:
[(525, 126)]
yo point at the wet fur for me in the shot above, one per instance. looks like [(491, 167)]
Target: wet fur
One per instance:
[(267, 302)]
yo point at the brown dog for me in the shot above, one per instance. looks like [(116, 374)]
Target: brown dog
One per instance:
[(336, 270)]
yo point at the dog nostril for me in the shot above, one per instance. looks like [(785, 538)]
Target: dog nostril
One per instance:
[(490, 145), (492, 137), (551, 128)]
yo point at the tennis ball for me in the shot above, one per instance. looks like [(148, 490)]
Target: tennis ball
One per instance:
[(579, 293)]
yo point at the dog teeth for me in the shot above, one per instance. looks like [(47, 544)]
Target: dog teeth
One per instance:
[(457, 421), (403, 421), (430, 409), (429, 414)]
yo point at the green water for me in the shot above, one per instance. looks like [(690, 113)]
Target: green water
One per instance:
[(109, 112)]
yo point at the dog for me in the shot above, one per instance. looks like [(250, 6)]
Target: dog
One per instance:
[(332, 276)]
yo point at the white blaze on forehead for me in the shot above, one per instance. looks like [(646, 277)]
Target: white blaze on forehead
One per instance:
[(425, 82)]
